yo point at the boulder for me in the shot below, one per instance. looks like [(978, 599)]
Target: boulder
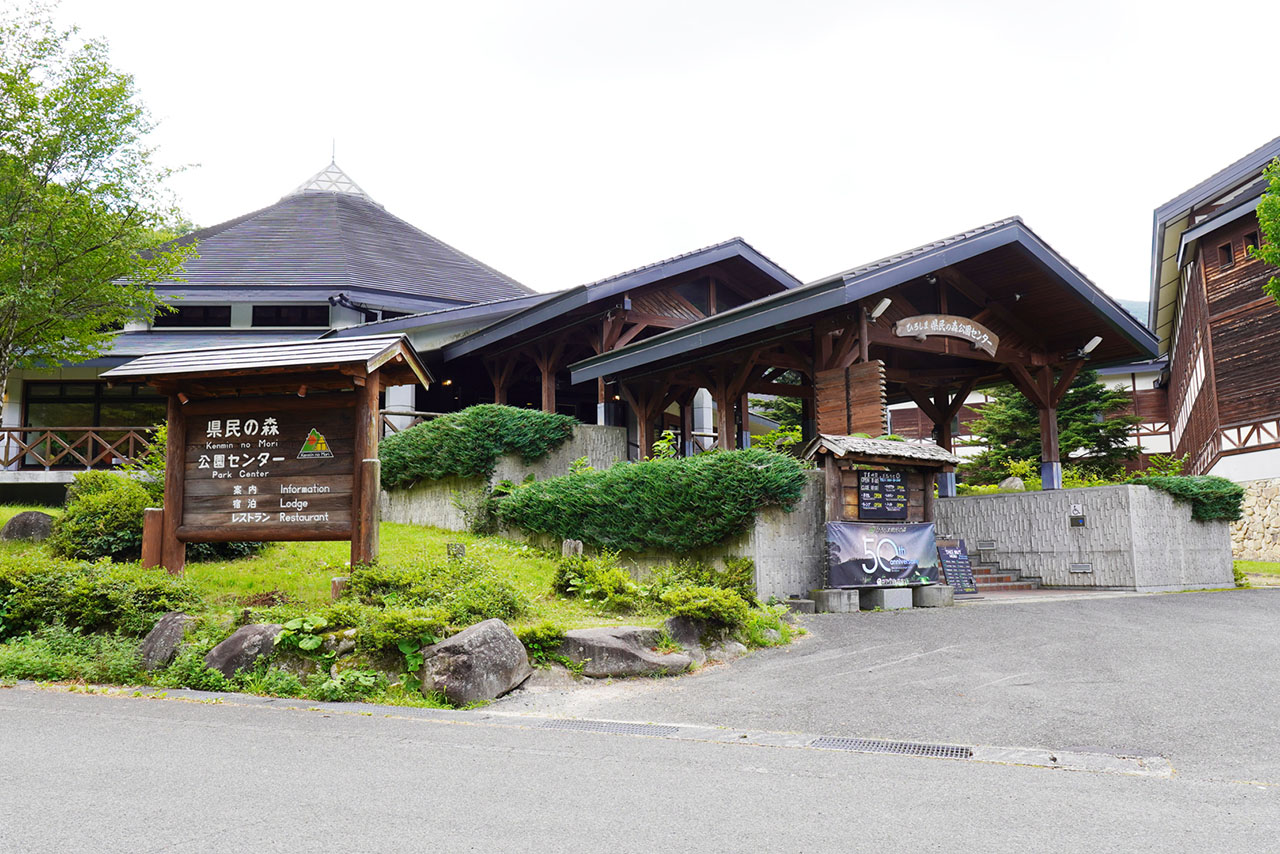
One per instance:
[(621, 651), (243, 649), (723, 651), (161, 643), (691, 632), (1013, 483), (28, 525), (339, 643), (479, 663)]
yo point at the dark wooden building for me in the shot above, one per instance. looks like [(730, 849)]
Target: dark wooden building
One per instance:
[(1221, 333)]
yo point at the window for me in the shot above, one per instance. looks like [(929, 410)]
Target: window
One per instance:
[(193, 315), (291, 315), (1226, 257), (1250, 242), (91, 404)]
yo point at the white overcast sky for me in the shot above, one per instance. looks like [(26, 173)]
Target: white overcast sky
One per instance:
[(566, 141)]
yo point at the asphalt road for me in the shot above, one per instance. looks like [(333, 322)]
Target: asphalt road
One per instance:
[(1186, 676)]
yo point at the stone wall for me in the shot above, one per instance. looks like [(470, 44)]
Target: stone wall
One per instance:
[(435, 502), (1257, 535), (1134, 537)]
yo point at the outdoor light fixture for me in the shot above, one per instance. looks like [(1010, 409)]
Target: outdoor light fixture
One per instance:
[(447, 382), (881, 308), (1088, 348), (302, 391), (182, 398)]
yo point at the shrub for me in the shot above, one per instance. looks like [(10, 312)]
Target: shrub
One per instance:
[(712, 604), (541, 641), (463, 591), (599, 579), (760, 621), (103, 518), (386, 629), (89, 596), (738, 575), (1211, 497), (56, 653), (468, 443), (678, 504)]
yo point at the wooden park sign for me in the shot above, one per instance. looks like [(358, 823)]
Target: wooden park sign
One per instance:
[(273, 442), (921, 326)]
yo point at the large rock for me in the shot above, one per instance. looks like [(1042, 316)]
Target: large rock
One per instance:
[(1013, 483), (161, 643), (243, 649), (28, 525), (479, 663), (691, 632), (621, 651)]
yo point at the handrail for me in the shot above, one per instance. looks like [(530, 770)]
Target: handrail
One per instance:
[(72, 447)]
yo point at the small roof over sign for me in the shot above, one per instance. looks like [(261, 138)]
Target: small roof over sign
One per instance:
[(392, 354), (856, 446)]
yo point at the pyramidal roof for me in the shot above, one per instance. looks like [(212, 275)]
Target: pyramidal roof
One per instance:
[(329, 234)]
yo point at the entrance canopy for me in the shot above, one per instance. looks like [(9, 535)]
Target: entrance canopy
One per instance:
[(994, 304)]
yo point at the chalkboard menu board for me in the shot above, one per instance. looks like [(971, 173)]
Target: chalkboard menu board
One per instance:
[(882, 495), (956, 567)]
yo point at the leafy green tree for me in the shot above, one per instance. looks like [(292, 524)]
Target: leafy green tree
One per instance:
[(1269, 225), (81, 200), (786, 411), (1090, 430)]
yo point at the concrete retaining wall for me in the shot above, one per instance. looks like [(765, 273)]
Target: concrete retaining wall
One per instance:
[(1134, 537), (1257, 535), (788, 548), (435, 502)]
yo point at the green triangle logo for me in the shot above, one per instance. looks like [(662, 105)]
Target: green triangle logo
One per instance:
[(315, 447)]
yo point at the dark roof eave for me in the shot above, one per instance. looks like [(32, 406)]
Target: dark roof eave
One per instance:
[(836, 292), (583, 295)]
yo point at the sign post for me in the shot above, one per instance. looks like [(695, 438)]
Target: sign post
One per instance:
[(275, 443)]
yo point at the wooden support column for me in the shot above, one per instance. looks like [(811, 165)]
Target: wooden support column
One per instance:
[(500, 370), (364, 513), (152, 537), (173, 552), (725, 432), (547, 357), (686, 425), (930, 479)]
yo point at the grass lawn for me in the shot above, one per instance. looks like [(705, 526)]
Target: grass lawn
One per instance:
[(1258, 567), (304, 570)]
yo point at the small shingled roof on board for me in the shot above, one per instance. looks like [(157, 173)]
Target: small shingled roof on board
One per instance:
[(213, 360), (843, 446)]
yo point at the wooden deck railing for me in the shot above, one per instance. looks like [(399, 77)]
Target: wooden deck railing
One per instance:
[(72, 447), (390, 426)]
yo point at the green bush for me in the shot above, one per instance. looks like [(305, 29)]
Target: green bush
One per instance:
[(760, 621), (462, 591), (89, 596), (738, 575), (56, 653), (468, 443), (677, 504), (712, 604), (386, 629), (103, 518), (599, 579), (541, 641), (1211, 498)]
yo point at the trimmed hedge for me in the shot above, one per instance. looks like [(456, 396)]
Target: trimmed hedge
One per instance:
[(468, 443), (680, 504), (1212, 498)]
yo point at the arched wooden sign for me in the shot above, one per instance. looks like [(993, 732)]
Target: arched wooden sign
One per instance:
[(921, 326)]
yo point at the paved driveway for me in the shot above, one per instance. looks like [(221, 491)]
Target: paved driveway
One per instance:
[(1191, 677)]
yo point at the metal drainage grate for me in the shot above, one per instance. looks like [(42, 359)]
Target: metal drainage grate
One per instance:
[(903, 748), (611, 727)]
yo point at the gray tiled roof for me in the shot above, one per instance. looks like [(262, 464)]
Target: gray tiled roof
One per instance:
[(843, 446), (920, 250), (276, 355), (343, 241)]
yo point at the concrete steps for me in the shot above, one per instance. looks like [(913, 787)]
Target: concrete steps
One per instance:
[(989, 576)]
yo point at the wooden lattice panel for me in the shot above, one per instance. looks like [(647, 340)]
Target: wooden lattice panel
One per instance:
[(851, 400)]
